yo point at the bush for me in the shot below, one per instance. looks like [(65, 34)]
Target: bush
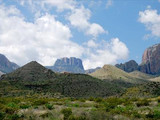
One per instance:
[(40, 102), (142, 103), (66, 112), (14, 117), (2, 115), (9, 110), (71, 117), (49, 106), (98, 100), (24, 106)]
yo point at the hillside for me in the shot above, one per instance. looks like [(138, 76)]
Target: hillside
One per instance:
[(33, 78), (156, 79), (141, 75), (109, 72)]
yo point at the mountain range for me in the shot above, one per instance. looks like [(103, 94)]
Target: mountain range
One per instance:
[(34, 78), (69, 79)]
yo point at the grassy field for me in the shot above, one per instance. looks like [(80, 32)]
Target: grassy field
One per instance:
[(36, 108)]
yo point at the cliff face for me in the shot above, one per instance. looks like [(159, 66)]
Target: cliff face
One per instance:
[(151, 60), (129, 66), (72, 65), (6, 66)]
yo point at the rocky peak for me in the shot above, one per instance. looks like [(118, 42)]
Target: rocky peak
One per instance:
[(151, 60), (5, 65), (129, 66), (72, 64)]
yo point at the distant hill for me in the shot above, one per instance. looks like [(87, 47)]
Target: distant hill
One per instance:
[(6, 66), (71, 65), (141, 75), (33, 78), (109, 72), (156, 79), (92, 70)]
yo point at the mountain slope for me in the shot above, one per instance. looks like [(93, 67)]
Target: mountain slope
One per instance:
[(141, 75), (109, 72), (33, 78), (6, 66)]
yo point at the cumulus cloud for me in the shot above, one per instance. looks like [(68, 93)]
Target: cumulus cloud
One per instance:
[(106, 53), (78, 15), (79, 18), (151, 19), (44, 40), (109, 3)]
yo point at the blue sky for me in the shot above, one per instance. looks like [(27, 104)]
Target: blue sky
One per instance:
[(99, 32)]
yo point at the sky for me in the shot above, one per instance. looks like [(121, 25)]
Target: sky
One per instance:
[(97, 31)]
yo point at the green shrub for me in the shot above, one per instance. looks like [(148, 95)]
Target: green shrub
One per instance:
[(142, 103), (40, 102), (12, 105), (98, 100), (66, 112), (157, 114), (24, 106), (9, 110), (14, 117), (49, 106), (71, 117), (2, 115)]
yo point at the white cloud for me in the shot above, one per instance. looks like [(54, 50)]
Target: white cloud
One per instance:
[(91, 43), (106, 53), (79, 15), (159, 0), (44, 40), (151, 19), (79, 18), (109, 3)]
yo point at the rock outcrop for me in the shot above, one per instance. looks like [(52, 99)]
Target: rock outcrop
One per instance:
[(72, 65), (151, 60), (129, 66), (6, 66)]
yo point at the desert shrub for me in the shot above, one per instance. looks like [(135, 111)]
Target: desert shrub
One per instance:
[(12, 105), (49, 106), (157, 114), (98, 100), (71, 117), (153, 115), (111, 103), (76, 105), (2, 115), (82, 100), (24, 106), (40, 102), (9, 110), (66, 112), (142, 103), (14, 117), (91, 99)]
